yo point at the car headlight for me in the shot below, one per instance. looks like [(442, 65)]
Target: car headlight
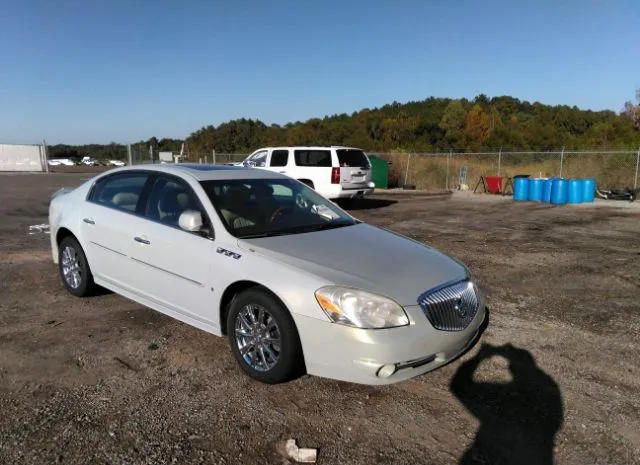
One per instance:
[(353, 307)]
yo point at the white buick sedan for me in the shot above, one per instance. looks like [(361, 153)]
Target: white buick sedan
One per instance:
[(295, 283)]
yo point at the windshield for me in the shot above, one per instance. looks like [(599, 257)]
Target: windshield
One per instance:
[(252, 208)]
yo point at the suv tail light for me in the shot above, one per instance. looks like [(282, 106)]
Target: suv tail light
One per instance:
[(335, 176)]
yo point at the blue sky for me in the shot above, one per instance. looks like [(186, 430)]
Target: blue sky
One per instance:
[(123, 70)]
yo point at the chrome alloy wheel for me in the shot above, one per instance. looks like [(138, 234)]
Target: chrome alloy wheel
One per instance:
[(71, 267), (257, 337)]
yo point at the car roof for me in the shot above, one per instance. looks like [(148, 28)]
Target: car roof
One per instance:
[(307, 147), (204, 172)]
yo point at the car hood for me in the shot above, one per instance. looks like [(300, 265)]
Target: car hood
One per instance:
[(365, 257)]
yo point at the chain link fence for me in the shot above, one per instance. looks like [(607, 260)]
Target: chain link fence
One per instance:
[(462, 170), (455, 170)]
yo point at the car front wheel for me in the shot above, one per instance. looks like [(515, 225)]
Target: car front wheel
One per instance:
[(74, 268), (264, 338)]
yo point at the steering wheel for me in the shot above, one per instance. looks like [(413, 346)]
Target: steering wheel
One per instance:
[(278, 211), (301, 202)]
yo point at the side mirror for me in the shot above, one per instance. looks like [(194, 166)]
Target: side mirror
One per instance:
[(190, 220)]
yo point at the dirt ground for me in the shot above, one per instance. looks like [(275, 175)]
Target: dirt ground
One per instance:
[(105, 381)]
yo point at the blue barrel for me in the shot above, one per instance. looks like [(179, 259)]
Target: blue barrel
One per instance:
[(546, 190), (574, 191), (588, 189), (535, 189), (520, 189), (559, 191)]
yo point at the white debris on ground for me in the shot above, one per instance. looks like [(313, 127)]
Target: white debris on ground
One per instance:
[(39, 229), (297, 454)]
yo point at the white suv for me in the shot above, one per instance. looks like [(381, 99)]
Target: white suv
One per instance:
[(334, 172)]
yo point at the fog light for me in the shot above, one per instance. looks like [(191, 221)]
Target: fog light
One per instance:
[(386, 370)]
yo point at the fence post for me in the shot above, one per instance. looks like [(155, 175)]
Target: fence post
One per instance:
[(46, 157), (151, 153), (635, 181), (406, 174), (561, 160), (129, 154), (213, 160), (446, 183), (499, 160)]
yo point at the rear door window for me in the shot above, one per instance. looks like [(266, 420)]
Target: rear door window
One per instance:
[(352, 158), (121, 191), (279, 158), (313, 158)]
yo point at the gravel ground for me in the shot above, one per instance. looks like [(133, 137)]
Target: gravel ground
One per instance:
[(106, 381)]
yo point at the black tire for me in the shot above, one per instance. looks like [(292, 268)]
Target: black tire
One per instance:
[(307, 183), (85, 285), (289, 363), (347, 203)]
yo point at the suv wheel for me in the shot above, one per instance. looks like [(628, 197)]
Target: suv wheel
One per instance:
[(307, 182)]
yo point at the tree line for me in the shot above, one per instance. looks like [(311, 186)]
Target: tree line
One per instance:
[(430, 125)]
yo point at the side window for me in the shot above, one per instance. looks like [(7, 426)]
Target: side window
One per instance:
[(121, 191), (280, 190), (313, 158), (169, 198), (259, 160), (279, 158)]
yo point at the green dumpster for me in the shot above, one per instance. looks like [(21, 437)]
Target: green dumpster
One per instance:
[(379, 172)]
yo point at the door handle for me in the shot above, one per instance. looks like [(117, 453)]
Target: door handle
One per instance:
[(282, 172), (141, 240), (88, 221)]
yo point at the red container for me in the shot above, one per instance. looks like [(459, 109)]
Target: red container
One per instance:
[(494, 184)]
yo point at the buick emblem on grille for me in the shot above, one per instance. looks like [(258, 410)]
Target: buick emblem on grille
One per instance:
[(460, 308), (450, 308)]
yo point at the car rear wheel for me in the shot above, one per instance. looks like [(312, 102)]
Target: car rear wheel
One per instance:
[(74, 268), (263, 337)]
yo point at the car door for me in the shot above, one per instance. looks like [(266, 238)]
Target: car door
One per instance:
[(171, 266), (278, 161), (107, 217)]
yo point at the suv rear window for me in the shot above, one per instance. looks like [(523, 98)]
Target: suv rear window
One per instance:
[(352, 158), (313, 157)]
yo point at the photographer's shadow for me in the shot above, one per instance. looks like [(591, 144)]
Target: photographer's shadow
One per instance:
[(518, 419)]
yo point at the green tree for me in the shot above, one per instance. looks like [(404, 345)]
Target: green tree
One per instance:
[(453, 123)]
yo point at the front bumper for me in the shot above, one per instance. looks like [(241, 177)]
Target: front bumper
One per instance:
[(357, 355)]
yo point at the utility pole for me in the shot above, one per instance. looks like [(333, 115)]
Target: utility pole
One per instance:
[(561, 160), (129, 154)]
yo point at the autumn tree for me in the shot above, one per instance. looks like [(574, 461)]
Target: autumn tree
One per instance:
[(477, 128)]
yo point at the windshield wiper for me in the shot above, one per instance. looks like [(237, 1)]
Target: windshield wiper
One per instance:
[(264, 234), (325, 226)]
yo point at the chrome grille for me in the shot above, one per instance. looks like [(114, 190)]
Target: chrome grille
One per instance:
[(450, 308)]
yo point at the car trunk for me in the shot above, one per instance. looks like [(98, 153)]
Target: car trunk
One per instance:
[(355, 169)]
